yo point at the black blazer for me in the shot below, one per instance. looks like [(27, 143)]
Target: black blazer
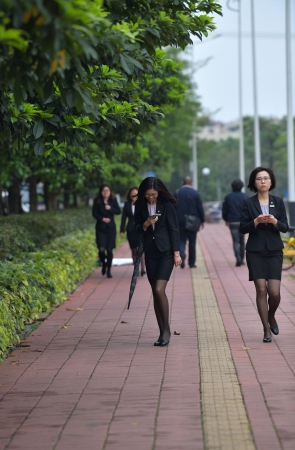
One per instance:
[(264, 234), (127, 213), (99, 212), (166, 232)]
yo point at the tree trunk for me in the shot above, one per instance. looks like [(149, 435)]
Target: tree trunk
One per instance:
[(33, 193), (75, 200), (66, 200), (14, 197)]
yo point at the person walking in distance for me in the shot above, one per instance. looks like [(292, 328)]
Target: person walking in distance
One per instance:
[(105, 205), (263, 216), (231, 213), (132, 236), (189, 204)]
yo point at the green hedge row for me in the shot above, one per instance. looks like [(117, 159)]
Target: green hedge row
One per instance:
[(41, 280), (29, 232)]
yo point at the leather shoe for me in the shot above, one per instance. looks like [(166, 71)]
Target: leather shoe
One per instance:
[(164, 343), (265, 339), (158, 342), (275, 330), (182, 265)]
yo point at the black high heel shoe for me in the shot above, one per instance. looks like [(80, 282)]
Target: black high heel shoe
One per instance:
[(158, 342), (143, 272), (275, 330), (164, 343), (267, 339)]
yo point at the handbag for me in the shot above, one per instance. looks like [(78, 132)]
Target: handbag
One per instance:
[(192, 223)]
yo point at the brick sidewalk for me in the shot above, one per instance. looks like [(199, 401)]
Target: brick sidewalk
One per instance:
[(91, 378)]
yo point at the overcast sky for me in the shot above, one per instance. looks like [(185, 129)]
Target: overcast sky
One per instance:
[(218, 79)]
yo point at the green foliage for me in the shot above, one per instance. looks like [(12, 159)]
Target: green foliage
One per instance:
[(25, 233), (41, 280)]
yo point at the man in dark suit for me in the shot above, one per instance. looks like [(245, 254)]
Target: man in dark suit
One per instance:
[(231, 213), (189, 203)]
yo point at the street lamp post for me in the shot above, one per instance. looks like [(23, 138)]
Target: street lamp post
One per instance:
[(206, 172), (290, 126), (256, 118)]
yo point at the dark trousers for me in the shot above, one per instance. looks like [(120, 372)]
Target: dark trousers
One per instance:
[(191, 236), (238, 242)]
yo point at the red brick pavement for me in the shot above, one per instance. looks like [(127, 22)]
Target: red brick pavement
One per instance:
[(100, 384), (266, 371)]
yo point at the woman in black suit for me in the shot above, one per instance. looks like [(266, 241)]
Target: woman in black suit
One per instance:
[(104, 207), (263, 216), (156, 218), (132, 236)]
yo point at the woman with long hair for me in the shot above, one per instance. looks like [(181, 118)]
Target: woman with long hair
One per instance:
[(105, 205), (132, 236), (263, 216), (156, 219)]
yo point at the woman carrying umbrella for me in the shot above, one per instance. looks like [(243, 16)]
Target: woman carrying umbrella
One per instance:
[(104, 207), (132, 236), (156, 219)]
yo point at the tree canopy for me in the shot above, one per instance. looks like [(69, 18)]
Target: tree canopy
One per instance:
[(82, 80)]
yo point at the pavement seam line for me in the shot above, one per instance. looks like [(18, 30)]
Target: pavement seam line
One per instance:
[(121, 390), (163, 377), (225, 421)]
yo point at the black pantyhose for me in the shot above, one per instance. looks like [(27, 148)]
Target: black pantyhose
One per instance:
[(106, 259), (133, 251), (161, 307), (267, 311)]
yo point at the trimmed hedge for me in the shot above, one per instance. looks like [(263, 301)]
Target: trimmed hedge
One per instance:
[(29, 232), (41, 280)]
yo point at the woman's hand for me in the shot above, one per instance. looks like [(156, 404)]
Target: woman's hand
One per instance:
[(106, 220), (107, 207), (265, 218), (177, 259), (150, 221), (272, 219)]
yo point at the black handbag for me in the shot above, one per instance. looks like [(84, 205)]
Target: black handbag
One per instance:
[(192, 223)]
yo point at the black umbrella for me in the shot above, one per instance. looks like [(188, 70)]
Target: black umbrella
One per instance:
[(139, 253)]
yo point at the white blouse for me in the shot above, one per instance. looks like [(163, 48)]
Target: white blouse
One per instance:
[(152, 211)]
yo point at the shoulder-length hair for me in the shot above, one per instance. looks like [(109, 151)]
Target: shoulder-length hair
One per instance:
[(252, 178), (158, 185), (99, 197), (128, 193)]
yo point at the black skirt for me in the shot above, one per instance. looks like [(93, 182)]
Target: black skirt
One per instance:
[(159, 265), (106, 239), (133, 239), (266, 265)]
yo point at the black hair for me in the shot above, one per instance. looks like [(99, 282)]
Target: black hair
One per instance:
[(128, 193), (237, 185), (99, 197), (252, 178), (158, 185)]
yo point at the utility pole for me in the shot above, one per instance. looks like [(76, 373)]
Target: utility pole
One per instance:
[(194, 165), (256, 118), (241, 141), (290, 126), (241, 121)]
